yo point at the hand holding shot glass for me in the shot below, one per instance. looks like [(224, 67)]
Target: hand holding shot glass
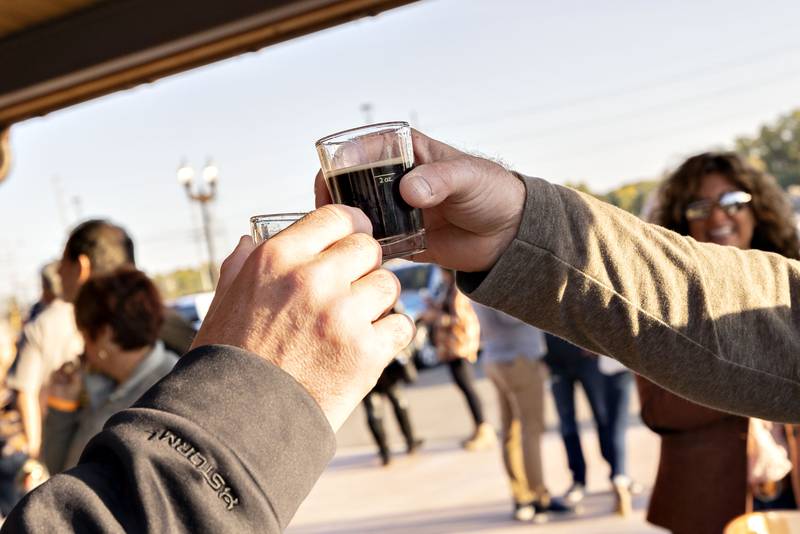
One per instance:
[(362, 168)]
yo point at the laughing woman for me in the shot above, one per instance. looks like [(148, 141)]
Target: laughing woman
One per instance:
[(704, 476)]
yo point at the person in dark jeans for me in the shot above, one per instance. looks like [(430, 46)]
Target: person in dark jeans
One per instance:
[(389, 386), (609, 397), (568, 366)]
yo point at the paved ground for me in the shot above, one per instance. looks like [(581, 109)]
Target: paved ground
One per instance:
[(446, 489)]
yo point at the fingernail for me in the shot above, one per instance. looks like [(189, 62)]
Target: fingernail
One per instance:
[(421, 186)]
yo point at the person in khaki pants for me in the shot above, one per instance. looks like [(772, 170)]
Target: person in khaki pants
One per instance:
[(513, 353)]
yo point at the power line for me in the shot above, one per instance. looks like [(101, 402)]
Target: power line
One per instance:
[(617, 92), (636, 113)]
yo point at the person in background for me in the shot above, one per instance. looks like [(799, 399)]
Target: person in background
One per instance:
[(703, 471), (617, 387), (512, 354), (95, 247), (456, 332), (12, 441), (48, 341), (51, 290), (18, 473), (119, 316), (570, 365), (400, 369)]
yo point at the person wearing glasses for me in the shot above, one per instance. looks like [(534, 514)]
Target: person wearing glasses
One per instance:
[(703, 473)]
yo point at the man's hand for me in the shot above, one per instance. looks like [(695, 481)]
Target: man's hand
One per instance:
[(472, 206), (312, 301)]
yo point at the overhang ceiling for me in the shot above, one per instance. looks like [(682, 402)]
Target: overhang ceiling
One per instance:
[(55, 53), (17, 16)]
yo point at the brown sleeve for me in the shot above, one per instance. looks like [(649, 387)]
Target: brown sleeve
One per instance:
[(716, 325)]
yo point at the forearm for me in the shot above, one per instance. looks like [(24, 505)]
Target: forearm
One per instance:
[(226, 442), (712, 324), (31, 415)]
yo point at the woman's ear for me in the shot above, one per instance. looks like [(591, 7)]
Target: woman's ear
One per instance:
[(85, 268), (105, 340)]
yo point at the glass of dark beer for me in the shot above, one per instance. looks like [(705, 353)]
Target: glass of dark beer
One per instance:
[(362, 168), (262, 227)]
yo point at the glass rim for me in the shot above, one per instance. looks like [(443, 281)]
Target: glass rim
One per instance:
[(293, 216), (368, 129)]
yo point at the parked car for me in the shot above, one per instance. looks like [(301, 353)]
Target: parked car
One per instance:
[(418, 282), (193, 307)]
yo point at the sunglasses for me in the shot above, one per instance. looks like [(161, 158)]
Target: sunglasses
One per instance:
[(730, 203)]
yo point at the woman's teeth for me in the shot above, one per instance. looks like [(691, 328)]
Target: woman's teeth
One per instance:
[(722, 231)]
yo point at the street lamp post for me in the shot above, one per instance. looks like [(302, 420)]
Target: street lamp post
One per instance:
[(204, 193)]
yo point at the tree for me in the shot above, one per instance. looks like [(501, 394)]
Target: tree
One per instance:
[(630, 197), (776, 149)]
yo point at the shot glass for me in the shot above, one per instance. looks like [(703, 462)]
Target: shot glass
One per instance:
[(263, 227), (362, 168)]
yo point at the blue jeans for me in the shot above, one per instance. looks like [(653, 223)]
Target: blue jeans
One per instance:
[(617, 400), (563, 381), (10, 491)]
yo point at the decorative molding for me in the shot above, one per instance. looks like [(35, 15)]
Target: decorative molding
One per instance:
[(5, 152)]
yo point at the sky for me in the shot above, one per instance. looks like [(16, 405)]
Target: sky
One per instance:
[(602, 92)]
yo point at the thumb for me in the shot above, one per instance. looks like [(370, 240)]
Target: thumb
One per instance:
[(230, 269), (456, 180)]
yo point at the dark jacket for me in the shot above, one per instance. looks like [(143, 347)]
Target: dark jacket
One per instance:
[(186, 457)]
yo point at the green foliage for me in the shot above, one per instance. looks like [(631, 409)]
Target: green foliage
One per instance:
[(182, 282), (630, 197), (776, 148)]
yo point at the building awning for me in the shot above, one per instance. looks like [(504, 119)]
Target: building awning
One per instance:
[(56, 53)]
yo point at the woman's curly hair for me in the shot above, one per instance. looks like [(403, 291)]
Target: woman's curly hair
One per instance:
[(775, 229)]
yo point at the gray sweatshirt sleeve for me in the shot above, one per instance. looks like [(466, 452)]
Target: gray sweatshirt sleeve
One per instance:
[(713, 324), (225, 443)]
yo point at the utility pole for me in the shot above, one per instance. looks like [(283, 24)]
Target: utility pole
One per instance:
[(366, 109), (61, 204), (77, 206), (203, 194)]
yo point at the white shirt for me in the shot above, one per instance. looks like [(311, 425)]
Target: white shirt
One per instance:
[(50, 341), (609, 366)]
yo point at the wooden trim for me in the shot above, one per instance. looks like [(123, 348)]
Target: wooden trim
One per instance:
[(5, 152), (226, 40)]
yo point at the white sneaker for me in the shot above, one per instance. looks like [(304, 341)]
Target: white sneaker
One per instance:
[(524, 512), (623, 504), (575, 494)]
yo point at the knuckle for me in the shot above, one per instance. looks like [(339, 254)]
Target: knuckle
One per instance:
[(387, 282), (332, 214), (365, 244), (400, 330)]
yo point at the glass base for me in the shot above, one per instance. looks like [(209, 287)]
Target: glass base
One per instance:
[(402, 246)]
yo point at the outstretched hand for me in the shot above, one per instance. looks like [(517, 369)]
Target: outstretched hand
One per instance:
[(472, 206)]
